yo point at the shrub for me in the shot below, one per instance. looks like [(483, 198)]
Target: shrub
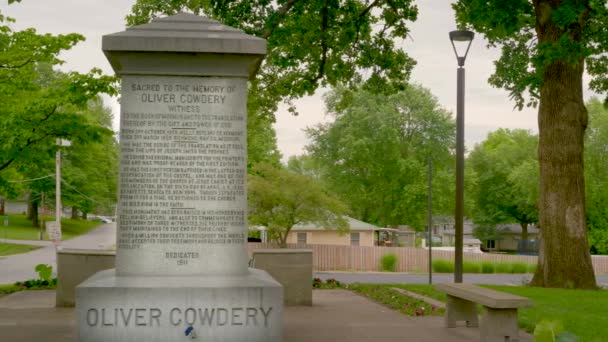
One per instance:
[(532, 268), (443, 266), (519, 267), (487, 267), (502, 267), (389, 262), (331, 283), (471, 267), (44, 272)]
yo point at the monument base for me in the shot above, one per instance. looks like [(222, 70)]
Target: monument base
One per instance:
[(166, 309)]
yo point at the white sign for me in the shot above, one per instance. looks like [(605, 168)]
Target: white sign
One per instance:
[(53, 230)]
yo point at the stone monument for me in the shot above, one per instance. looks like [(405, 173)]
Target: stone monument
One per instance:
[(181, 261)]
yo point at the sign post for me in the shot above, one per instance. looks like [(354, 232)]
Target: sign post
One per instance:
[(53, 230)]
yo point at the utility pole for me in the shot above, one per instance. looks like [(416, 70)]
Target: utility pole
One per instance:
[(58, 209), (58, 186), (430, 220)]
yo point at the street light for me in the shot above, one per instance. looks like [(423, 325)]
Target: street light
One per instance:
[(462, 39)]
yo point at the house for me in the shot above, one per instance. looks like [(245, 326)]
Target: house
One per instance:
[(361, 234), (508, 240)]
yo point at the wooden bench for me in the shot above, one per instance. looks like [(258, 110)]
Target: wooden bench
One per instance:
[(498, 320)]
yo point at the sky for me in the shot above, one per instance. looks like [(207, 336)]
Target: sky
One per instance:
[(486, 108)]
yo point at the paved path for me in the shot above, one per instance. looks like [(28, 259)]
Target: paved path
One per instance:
[(20, 267), (336, 315)]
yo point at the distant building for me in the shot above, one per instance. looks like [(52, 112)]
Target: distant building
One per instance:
[(361, 234), (509, 238), (15, 207)]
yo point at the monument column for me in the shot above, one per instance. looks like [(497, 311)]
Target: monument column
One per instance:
[(181, 260)]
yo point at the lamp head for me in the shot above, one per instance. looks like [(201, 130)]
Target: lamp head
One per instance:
[(462, 37)]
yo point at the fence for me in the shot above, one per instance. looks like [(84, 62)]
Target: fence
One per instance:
[(410, 259)]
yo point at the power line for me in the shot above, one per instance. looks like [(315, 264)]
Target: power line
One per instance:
[(29, 180)]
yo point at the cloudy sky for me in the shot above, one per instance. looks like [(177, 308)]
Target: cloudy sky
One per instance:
[(486, 108)]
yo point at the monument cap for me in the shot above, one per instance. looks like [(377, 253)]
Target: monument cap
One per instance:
[(183, 33)]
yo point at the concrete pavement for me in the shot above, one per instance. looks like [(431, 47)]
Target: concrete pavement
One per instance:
[(20, 267), (336, 315)]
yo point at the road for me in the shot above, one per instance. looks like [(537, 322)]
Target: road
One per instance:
[(407, 278), (20, 267)]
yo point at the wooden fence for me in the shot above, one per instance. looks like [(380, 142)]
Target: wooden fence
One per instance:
[(410, 259)]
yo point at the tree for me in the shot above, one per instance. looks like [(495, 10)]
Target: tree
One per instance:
[(507, 179), (38, 103), (545, 46), (261, 141), (280, 199), (90, 169), (374, 155), (596, 177), (311, 44)]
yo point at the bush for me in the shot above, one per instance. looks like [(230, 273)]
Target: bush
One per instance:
[(519, 267), (487, 267), (532, 268), (443, 266), (331, 283), (389, 263), (471, 267), (502, 267)]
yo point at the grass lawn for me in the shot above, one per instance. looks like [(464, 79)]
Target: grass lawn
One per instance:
[(11, 288), (10, 249), (582, 312), (20, 228)]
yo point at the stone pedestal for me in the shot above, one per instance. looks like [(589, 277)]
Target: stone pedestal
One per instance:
[(181, 261), (290, 267), (159, 309)]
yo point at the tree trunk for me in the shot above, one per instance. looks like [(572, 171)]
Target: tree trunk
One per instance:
[(74, 215), (34, 213), (84, 215), (283, 239), (564, 259), (524, 231), (30, 207), (2, 208)]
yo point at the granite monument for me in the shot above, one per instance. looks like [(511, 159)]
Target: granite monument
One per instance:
[(181, 262)]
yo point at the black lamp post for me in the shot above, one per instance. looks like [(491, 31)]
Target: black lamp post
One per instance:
[(461, 38)]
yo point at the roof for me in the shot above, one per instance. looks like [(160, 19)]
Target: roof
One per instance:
[(505, 229), (353, 223)]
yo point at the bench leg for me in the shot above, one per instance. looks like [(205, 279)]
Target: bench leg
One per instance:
[(499, 325), (458, 309)]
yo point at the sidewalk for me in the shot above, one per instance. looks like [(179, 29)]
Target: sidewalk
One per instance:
[(20, 267), (337, 315)]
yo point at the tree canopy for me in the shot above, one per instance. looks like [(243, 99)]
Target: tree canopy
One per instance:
[(596, 176), (374, 155), (280, 199), (90, 170), (310, 43), (38, 103), (507, 179)]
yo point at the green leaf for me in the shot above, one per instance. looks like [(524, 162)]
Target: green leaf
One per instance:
[(44, 271)]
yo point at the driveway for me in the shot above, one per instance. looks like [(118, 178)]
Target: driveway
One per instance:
[(20, 267)]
